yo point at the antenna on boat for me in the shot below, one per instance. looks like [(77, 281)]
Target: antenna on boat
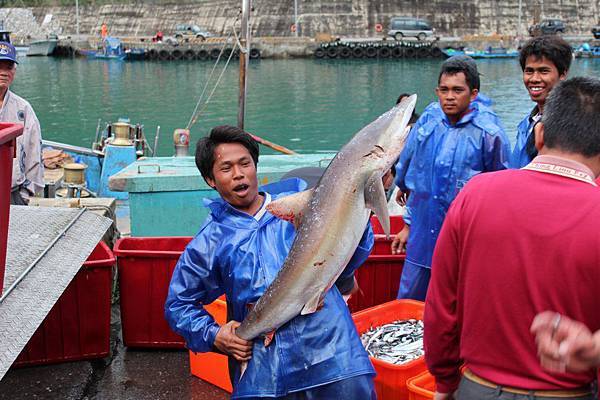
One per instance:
[(244, 58)]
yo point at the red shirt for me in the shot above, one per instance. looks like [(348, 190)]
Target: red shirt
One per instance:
[(514, 243)]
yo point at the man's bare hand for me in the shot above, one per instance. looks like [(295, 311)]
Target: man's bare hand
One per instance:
[(401, 198), (399, 242), (229, 343), (565, 344)]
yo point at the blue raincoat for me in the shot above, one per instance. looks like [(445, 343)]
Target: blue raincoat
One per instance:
[(236, 255), (524, 151), (438, 160)]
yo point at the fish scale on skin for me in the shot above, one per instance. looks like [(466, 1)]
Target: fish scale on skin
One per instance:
[(333, 221)]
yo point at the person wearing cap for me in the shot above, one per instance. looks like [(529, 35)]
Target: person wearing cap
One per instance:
[(545, 62), (440, 156), (28, 170)]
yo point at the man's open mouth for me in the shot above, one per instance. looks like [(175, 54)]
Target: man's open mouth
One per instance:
[(240, 188)]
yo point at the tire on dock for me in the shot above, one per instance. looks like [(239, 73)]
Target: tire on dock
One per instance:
[(398, 52), (319, 52), (254, 53), (345, 52), (152, 54), (164, 55), (202, 55), (332, 52), (371, 52), (423, 52), (384, 52), (436, 52), (189, 54), (176, 54), (214, 53), (358, 52), (410, 52)]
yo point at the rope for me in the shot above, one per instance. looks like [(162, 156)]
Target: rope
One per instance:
[(195, 118), (196, 112)]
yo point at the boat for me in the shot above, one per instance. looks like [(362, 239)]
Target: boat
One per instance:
[(488, 53), (112, 49), (587, 51), (42, 47)]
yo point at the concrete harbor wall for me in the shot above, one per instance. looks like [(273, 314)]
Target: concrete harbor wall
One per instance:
[(354, 18)]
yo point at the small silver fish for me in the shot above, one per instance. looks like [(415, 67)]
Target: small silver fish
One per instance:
[(397, 343)]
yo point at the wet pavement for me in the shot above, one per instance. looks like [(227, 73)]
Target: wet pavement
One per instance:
[(126, 374)]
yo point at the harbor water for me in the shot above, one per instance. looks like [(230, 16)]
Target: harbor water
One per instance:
[(307, 105)]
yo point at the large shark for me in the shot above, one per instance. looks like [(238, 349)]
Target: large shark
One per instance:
[(330, 221)]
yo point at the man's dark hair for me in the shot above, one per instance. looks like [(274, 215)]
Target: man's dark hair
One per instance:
[(552, 47), (454, 66), (572, 117), (205, 148)]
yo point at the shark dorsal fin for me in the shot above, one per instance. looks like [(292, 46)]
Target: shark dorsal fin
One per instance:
[(290, 208), (376, 201)]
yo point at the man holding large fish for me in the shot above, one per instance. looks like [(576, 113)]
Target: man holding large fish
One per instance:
[(296, 338)]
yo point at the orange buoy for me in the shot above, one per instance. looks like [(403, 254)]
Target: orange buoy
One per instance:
[(293, 28)]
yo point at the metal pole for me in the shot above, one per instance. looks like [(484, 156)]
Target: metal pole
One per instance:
[(519, 29), (244, 58), (77, 16), (296, 17)]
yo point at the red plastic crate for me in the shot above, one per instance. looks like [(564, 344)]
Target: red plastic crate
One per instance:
[(379, 277), (145, 268), (390, 382), (8, 134), (213, 367), (78, 325), (421, 387), (396, 224)]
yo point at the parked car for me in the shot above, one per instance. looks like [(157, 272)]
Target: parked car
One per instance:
[(187, 31), (401, 27), (596, 32), (547, 27)]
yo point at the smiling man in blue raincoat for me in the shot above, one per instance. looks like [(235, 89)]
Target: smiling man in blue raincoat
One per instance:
[(238, 252), (440, 156)]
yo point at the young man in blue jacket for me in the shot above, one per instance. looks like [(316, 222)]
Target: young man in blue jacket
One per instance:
[(238, 252), (440, 156), (545, 61)]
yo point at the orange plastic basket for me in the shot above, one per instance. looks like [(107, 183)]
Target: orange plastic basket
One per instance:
[(213, 367), (390, 382), (421, 387)]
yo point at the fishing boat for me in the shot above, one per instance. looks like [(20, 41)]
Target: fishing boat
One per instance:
[(488, 53), (112, 49), (588, 51), (42, 47)]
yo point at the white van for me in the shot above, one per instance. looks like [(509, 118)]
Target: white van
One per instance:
[(401, 27)]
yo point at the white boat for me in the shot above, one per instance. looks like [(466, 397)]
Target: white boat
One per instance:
[(43, 47)]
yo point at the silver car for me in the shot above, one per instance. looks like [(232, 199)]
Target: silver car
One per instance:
[(401, 27)]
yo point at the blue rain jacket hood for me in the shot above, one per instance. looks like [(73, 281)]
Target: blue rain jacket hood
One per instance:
[(437, 161), (482, 104), (236, 255)]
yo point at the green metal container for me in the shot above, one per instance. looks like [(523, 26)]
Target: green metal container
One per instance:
[(166, 193)]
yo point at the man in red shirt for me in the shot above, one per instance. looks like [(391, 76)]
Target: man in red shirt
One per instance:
[(516, 243)]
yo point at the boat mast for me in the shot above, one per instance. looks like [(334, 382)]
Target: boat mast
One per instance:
[(244, 58)]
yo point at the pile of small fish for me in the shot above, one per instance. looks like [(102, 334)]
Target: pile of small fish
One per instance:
[(397, 343)]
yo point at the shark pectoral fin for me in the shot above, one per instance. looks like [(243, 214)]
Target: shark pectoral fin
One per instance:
[(290, 208), (376, 201), (312, 305), (269, 336)]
